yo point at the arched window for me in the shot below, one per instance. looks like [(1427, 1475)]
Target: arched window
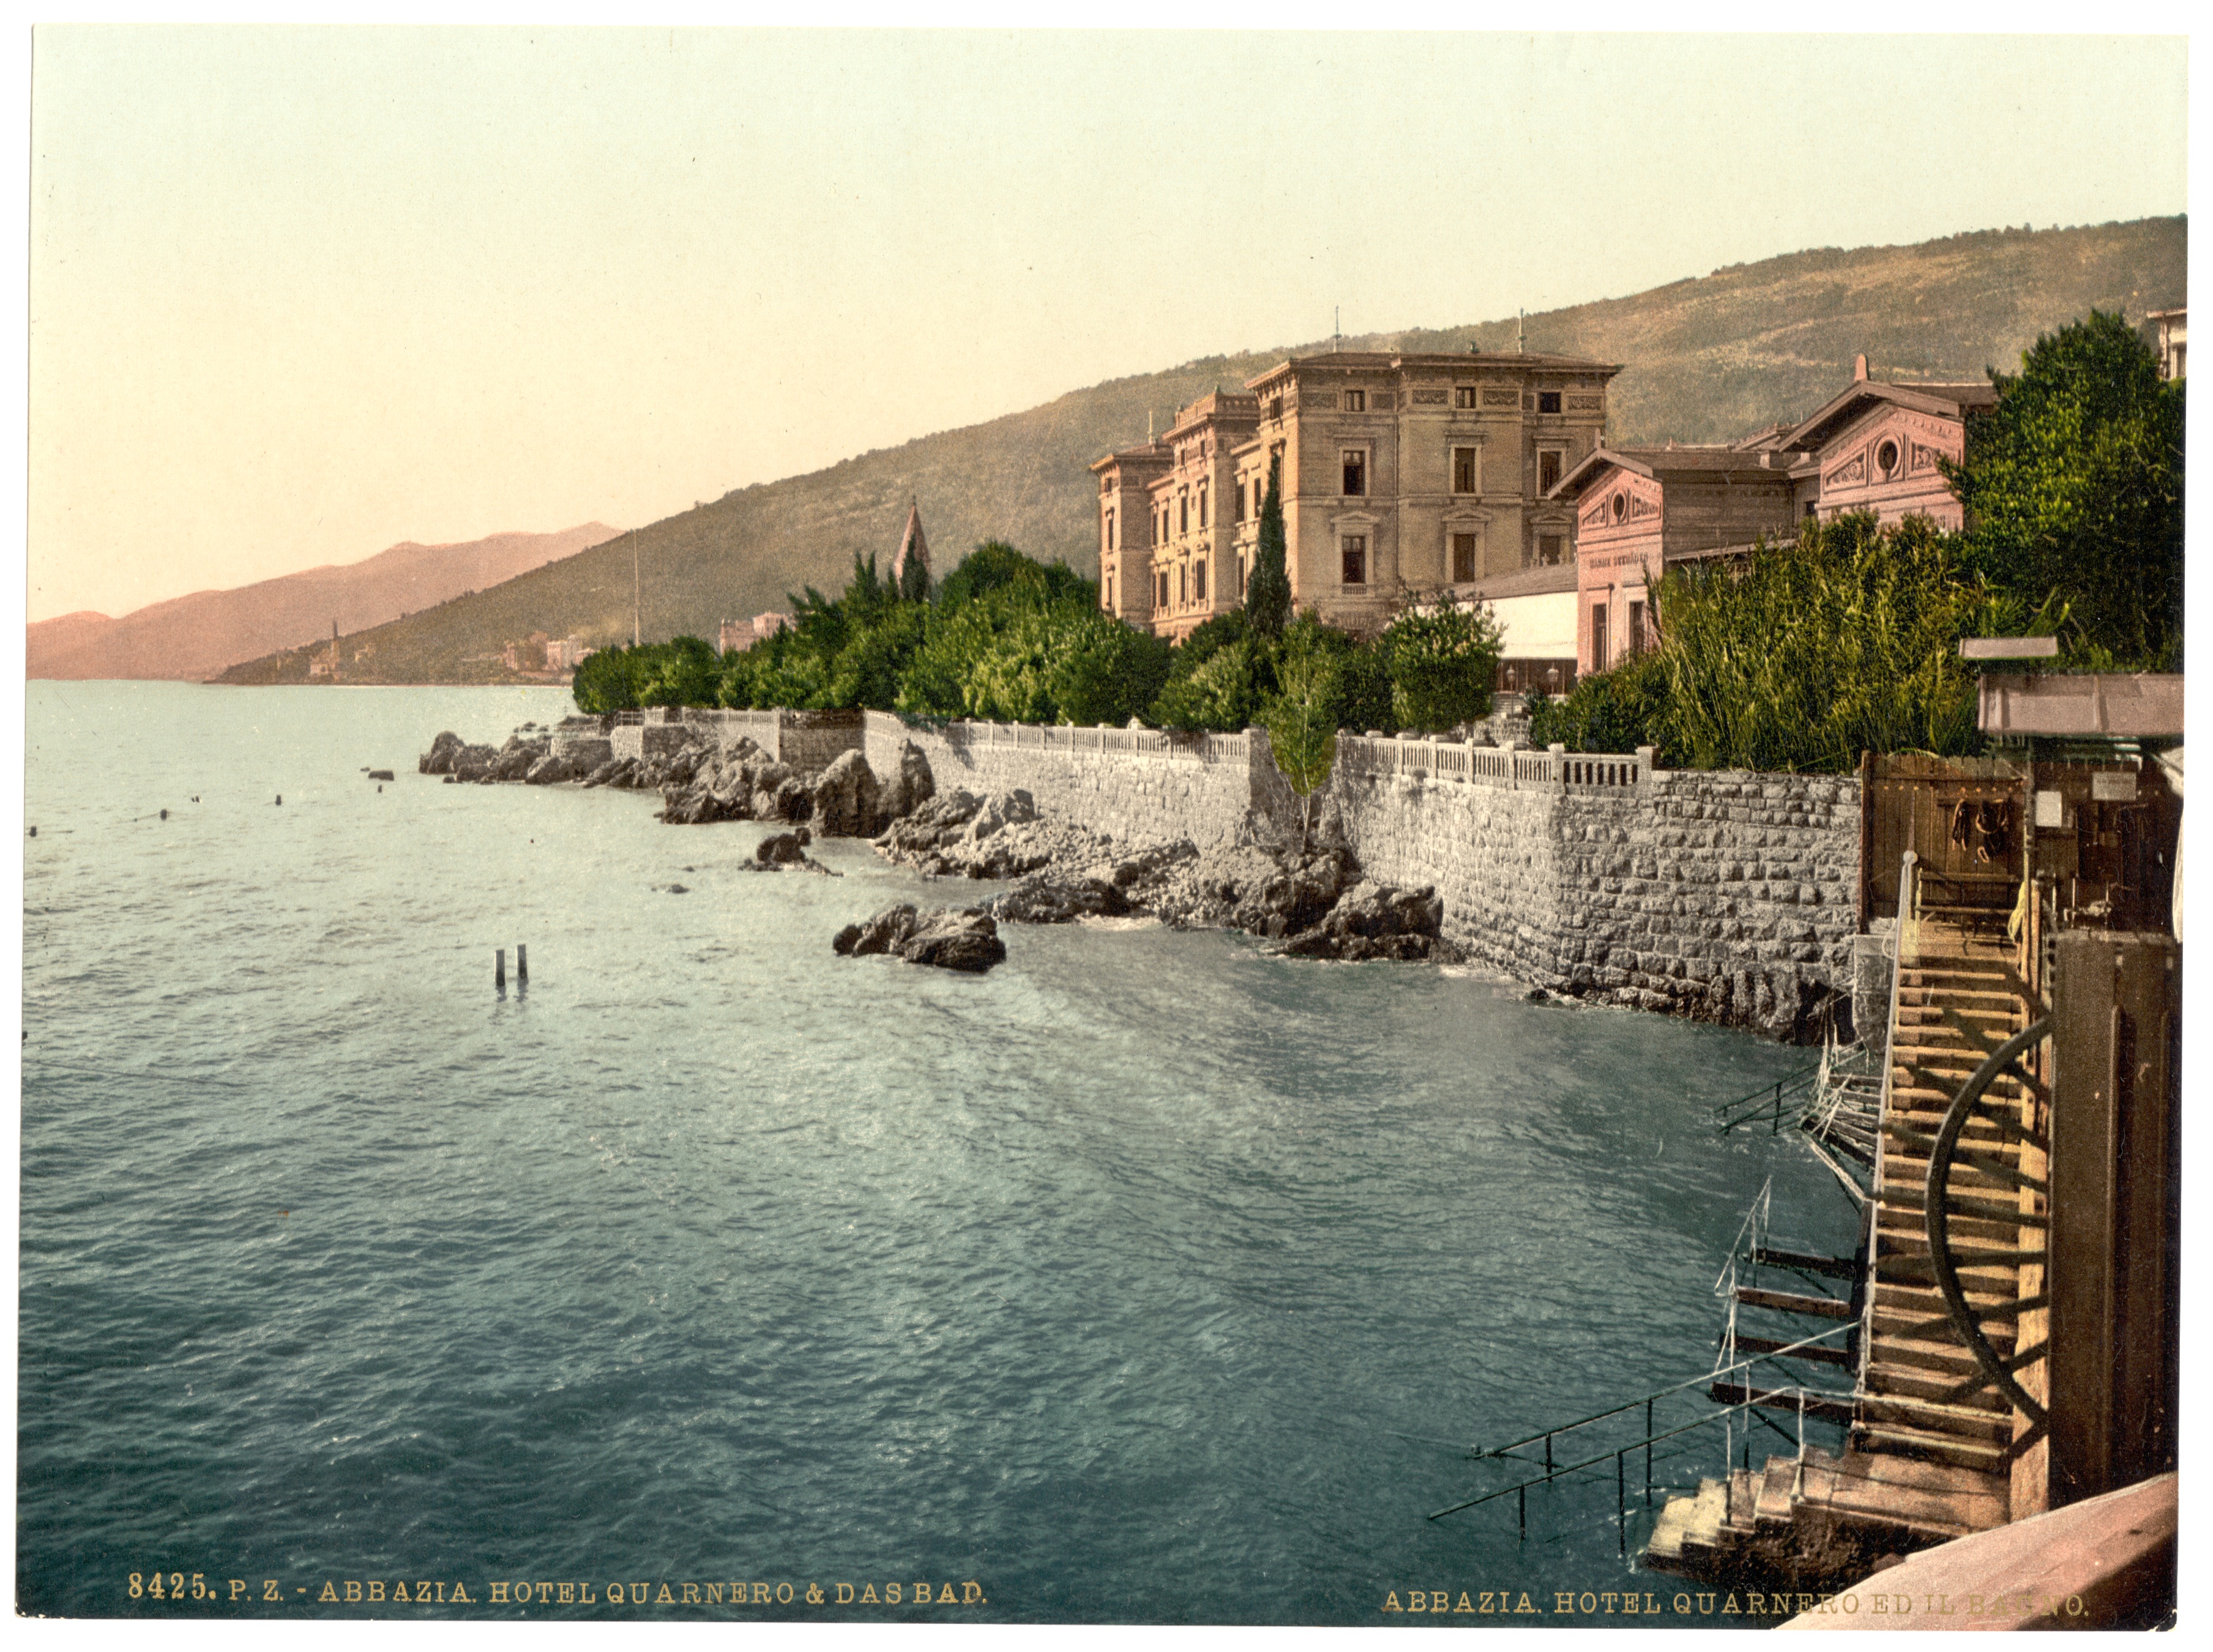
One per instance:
[(1110, 530)]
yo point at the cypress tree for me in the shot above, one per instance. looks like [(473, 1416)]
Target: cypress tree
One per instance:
[(1268, 593)]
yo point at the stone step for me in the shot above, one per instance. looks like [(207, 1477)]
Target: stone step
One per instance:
[(1883, 1490), (1702, 1531), (1664, 1548), (1771, 1509)]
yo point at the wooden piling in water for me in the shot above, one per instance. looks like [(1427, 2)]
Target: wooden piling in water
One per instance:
[(521, 965), (499, 969)]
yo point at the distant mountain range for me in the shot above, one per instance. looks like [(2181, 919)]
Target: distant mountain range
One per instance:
[(1706, 360), (193, 637)]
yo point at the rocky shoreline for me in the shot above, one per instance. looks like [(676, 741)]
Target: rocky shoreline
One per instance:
[(1310, 902)]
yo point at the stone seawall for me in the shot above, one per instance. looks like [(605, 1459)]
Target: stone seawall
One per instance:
[(1726, 896), (1128, 781)]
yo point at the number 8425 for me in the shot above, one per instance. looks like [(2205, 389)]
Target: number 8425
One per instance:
[(143, 1584)]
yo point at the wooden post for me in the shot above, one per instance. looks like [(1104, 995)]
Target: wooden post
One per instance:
[(1867, 841), (521, 965), (499, 969)]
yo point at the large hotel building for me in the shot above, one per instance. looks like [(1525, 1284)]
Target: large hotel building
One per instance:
[(1400, 474), (1406, 476)]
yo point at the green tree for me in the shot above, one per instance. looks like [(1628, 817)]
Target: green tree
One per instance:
[(2073, 489), (685, 673), (1845, 641), (610, 680), (1301, 726), (1443, 661), (1268, 591), (1616, 711)]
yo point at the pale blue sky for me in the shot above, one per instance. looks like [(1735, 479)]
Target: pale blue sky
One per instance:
[(297, 295)]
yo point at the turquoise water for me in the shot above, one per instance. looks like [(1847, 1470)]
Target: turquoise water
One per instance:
[(1116, 1280)]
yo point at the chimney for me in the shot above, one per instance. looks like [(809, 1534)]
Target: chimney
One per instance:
[(1859, 368)]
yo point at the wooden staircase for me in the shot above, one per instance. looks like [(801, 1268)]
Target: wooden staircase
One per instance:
[(1921, 1396), (1932, 1447)]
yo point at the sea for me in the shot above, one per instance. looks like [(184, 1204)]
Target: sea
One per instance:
[(1146, 1279)]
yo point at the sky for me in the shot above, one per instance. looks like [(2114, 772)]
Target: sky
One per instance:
[(298, 295)]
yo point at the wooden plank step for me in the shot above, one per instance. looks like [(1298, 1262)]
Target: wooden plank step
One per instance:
[(1887, 1376), (1775, 1399), (1893, 1222), (1834, 1267), (1935, 1447), (1935, 1356), (1968, 1422), (1785, 1301), (1817, 1354)]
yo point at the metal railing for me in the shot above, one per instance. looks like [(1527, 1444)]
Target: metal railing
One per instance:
[(1653, 1435)]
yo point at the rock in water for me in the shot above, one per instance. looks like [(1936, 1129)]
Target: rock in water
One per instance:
[(1042, 898), (1375, 920), (548, 770), (886, 932), (844, 798), (473, 763), (911, 787), (959, 938), (780, 849), (439, 759)]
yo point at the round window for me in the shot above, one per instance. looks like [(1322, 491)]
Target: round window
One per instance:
[(1620, 506), (1886, 459)]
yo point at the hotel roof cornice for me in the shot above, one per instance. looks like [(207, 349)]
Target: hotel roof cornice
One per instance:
[(1380, 361)]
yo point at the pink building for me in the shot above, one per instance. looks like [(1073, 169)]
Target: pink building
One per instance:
[(1873, 447)]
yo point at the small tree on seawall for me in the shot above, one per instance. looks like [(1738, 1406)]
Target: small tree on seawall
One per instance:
[(1268, 592), (1302, 732), (1443, 660)]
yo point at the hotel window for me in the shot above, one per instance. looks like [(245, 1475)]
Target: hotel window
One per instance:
[(1548, 401), (1241, 577), (1464, 397), (1198, 581), (1202, 504), (1636, 627), (1275, 407), (1464, 470), (1110, 530), (1356, 401), (1240, 506), (1163, 597), (1886, 460), (1549, 550), (1183, 513), (1597, 636), (1548, 469), (1355, 473), (1463, 557), (1183, 585), (1109, 602), (1352, 549)]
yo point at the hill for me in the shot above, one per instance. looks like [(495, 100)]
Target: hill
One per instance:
[(1707, 359), (192, 638)]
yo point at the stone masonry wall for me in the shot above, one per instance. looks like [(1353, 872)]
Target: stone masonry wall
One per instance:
[(1726, 896), (1153, 787)]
